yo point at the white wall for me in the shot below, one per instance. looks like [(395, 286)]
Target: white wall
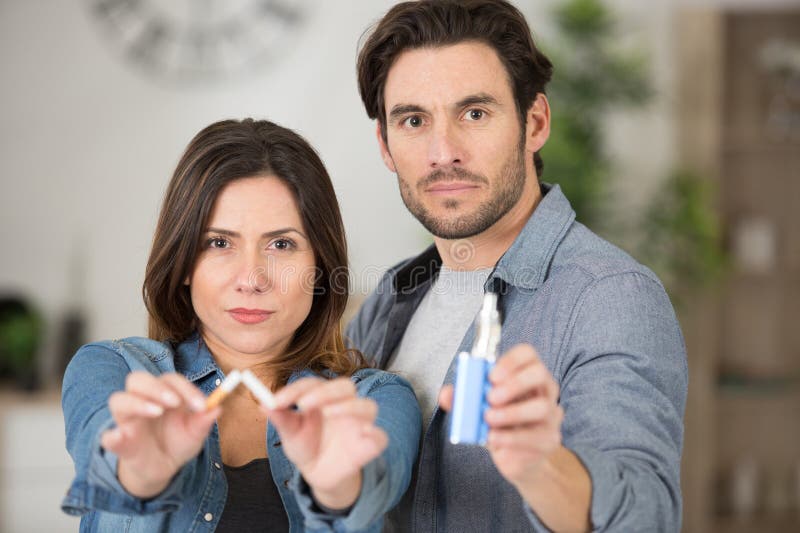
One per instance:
[(87, 143)]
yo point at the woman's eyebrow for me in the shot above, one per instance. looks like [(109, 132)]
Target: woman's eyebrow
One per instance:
[(267, 234)]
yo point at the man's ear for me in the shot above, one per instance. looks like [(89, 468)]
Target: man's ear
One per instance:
[(385, 155), (537, 124)]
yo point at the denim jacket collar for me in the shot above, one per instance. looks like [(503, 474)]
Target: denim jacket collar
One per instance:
[(193, 360)]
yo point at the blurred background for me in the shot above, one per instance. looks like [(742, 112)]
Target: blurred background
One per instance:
[(676, 134)]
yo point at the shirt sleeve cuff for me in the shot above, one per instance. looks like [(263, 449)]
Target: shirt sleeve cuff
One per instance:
[(102, 490), (360, 516)]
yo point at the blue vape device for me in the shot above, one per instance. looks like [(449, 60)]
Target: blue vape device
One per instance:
[(467, 425)]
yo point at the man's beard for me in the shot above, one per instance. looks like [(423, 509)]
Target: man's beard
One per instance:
[(508, 191)]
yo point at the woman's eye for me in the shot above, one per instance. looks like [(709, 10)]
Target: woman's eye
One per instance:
[(475, 114), (283, 244), (413, 122), (217, 242)]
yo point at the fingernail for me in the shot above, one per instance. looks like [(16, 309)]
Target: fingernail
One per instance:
[(154, 409), (197, 404), (170, 398)]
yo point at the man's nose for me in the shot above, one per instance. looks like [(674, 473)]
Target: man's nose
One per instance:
[(445, 147)]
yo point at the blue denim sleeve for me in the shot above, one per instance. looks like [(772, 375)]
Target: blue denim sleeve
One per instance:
[(93, 374), (386, 478), (623, 380)]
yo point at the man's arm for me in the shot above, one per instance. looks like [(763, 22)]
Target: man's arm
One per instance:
[(525, 441), (623, 380)]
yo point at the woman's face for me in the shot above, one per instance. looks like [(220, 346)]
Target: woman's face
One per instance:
[(252, 285)]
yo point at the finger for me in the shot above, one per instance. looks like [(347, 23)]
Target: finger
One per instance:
[(125, 406), (112, 440), (526, 381), (285, 420), (446, 397), (326, 393), (289, 394), (151, 387), (199, 424), (535, 439), (188, 393), (362, 408), (509, 363), (373, 441), (532, 411)]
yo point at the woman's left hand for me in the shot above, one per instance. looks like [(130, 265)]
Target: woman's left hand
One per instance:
[(330, 438)]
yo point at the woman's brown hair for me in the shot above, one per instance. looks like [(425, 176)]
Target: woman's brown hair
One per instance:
[(220, 154)]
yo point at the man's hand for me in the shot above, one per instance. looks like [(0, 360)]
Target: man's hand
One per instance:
[(330, 438), (524, 417)]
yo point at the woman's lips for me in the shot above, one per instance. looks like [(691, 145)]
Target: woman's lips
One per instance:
[(249, 316)]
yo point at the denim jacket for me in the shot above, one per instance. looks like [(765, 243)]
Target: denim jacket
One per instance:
[(604, 327), (195, 498)]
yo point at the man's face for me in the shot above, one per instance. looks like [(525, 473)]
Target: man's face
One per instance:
[(454, 138)]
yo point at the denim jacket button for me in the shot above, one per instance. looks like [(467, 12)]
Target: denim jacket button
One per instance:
[(216, 465), (285, 482), (208, 517), (217, 382)]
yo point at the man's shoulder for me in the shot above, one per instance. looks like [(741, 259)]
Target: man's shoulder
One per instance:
[(585, 254)]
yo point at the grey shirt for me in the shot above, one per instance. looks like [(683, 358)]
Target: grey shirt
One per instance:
[(604, 327), (435, 332)]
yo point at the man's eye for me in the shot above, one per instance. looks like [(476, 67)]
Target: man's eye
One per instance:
[(414, 122), (475, 114)]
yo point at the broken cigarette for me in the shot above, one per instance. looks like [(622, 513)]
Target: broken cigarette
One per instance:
[(262, 393), (226, 387)]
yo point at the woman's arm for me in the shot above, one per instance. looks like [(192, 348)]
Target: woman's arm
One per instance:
[(99, 415), (354, 445)]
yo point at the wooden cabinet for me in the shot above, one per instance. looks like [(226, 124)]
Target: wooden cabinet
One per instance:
[(740, 125)]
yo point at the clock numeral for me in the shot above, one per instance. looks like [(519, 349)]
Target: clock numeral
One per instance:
[(288, 14), (151, 44)]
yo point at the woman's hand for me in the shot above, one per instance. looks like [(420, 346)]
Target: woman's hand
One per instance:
[(161, 423), (330, 438)]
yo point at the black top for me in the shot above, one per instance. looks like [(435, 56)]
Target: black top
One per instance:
[(254, 503)]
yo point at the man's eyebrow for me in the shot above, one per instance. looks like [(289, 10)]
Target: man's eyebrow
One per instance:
[(265, 235), (403, 109), (477, 99)]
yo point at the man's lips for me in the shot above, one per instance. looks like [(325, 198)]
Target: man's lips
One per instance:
[(249, 316), (451, 187)]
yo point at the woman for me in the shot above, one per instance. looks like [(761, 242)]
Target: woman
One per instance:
[(247, 270)]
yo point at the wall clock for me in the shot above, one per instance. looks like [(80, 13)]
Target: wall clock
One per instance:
[(200, 40)]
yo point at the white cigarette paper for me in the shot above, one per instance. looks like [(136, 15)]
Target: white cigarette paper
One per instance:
[(258, 389), (231, 381)]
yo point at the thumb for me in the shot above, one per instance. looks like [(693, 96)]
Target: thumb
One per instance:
[(286, 422), (199, 424), (446, 397)]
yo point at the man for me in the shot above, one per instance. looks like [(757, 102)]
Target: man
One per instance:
[(588, 396)]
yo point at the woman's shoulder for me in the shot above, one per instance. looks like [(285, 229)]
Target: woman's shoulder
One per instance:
[(371, 379), (135, 351)]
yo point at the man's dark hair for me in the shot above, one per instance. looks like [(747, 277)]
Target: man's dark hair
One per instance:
[(433, 23)]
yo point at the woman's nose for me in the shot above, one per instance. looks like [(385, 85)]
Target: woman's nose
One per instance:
[(255, 274)]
